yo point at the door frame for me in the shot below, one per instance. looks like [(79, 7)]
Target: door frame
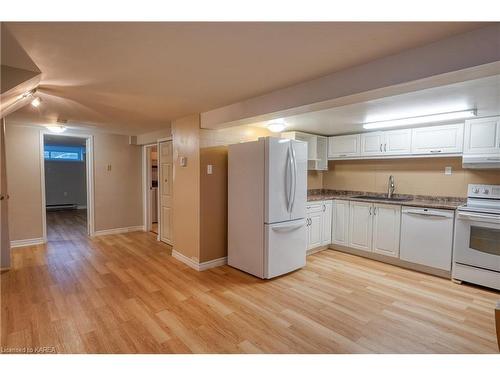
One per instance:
[(158, 142), (146, 200), (89, 166)]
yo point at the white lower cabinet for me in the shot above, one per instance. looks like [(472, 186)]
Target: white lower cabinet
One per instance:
[(386, 229), (340, 222), (360, 226), (319, 218), (326, 232), (375, 228)]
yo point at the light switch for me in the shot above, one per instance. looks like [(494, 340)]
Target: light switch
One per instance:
[(108, 167), (447, 171), (209, 169), (183, 161)]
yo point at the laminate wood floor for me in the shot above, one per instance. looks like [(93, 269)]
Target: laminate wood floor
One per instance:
[(126, 294), (66, 225)]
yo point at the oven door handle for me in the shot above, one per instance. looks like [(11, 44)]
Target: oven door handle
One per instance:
[(479, 217)]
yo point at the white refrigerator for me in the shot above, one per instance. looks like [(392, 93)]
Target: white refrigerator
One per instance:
[(267, 194)]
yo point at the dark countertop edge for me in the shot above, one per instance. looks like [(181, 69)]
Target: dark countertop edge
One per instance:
[(438, 202)]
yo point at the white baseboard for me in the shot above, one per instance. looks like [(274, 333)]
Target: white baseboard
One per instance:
[(28, 242), (106, 232), (197, 265)]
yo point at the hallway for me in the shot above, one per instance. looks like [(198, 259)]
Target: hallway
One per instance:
[(66, 225)]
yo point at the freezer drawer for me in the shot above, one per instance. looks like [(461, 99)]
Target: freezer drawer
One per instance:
[(285, 247), (427, 237)]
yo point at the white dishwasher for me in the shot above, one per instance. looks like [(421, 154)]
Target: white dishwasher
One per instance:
[(427, 236)]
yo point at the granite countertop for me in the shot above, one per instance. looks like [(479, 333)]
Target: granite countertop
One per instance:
[(448, 203)]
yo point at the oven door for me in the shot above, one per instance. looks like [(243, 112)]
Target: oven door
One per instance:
[(477, 240)]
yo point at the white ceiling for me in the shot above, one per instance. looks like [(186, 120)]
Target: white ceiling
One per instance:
[(134, 78), (482, 94)]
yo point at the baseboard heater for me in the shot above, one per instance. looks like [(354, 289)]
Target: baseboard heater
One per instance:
[(61, 207)]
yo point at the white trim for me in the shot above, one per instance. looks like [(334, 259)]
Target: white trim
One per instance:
[(196, 265), (212, 263), (82, 207), (166, 139), (89, 145), (146, 203), (105, 232), (28, 242)]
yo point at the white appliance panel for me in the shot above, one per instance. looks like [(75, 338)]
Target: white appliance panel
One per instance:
[(427, 237), (285, 247)]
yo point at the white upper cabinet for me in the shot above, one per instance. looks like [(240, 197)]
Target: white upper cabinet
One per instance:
[(317, 157), (386, 229), (393, 142), (482, 136), (446, 139), (397, 142), (372, 143), (344, 146)]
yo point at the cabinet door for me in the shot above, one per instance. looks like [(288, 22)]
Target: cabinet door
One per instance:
[(340, 222), (372, 144), (326, 231), (314, 227), (343, 146), (360, 226), (386, 229), (397, 142), (446, 139), (482, 136)]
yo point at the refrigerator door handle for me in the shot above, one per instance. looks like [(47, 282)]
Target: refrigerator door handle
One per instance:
[(294, 175), (288, 228), (288, 188)]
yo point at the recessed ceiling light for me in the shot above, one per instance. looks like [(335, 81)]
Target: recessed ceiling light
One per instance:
[(36, 102), (277, 126), (56, 128), (437, 117)]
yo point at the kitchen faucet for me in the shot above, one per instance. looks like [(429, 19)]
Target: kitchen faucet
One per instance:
[(391, 187)]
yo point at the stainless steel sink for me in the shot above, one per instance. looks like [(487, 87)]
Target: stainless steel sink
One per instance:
[(382, 198)]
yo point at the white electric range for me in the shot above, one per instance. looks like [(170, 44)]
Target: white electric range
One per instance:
[(476, 252)]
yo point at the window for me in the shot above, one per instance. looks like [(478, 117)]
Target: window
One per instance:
[(64, 153)]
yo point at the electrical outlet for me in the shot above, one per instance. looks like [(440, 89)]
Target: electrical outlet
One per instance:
[(209, 169), (447, 171)]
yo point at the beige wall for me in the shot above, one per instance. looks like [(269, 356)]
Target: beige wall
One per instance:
[(314, 179), (186, 194), (419, 176), (118, 201), (213, 203)]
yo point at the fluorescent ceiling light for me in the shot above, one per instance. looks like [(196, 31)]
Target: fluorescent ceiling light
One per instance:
[(277, 126), (36, 102), (438, 117), (56, 128)]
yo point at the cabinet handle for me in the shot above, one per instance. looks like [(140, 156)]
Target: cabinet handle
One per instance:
[(435, 151), (370, 211), (374, 211), (381, 147), (324, 208), (385, 147)]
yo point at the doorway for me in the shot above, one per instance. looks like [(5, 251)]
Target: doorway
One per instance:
[(67, 186), (158, 189), (151, 188)]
